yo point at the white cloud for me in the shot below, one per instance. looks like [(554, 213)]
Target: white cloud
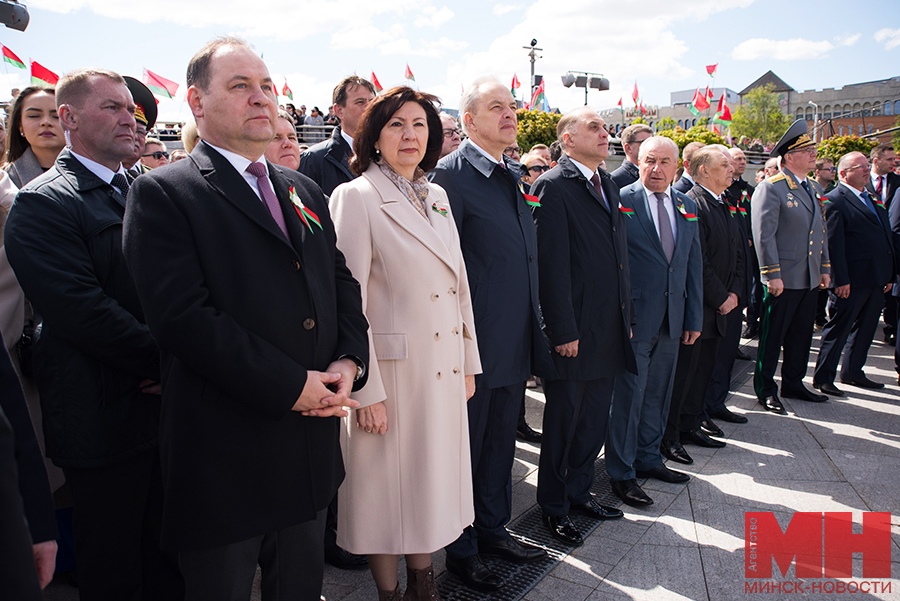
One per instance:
[(847, 40), (795, 49), (502, 9), (890, 37), (433, 17)]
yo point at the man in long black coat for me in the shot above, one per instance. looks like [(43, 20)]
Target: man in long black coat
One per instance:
[(586, 301), (262, 336)]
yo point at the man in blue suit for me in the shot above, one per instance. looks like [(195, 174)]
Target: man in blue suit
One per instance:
[(499, 245), (667, 286), (862, 262)]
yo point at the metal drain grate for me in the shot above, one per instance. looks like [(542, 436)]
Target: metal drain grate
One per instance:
[(529, 529)]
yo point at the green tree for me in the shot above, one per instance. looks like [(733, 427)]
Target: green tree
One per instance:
[(760, 116), (638, 120), (536, 127), (837, 146), (683, 137), (895, 139), (666, 124), (703, 121)]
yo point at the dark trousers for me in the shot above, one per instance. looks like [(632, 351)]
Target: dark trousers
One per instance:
[(849, 332), (493, 416), (890, 313), (575, 420), (822, 306), (720, 379), (787, 322), (754, 305), (640, 407), (292, 562), (692, 373), (116, 525)]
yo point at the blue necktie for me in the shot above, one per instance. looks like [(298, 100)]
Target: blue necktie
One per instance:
[(868, 201)]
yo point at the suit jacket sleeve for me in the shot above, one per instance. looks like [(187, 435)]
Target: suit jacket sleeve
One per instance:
[(836, 247), (766, 209), (554, 263), (47, 251)]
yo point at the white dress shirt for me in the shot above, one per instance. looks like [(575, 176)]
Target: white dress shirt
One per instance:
[(101, 171), (241, 163), (589, 174), (668, 204)]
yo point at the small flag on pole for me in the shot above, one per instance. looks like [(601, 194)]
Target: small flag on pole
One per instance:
[(409, 74), (42, 76), (286, 90), (711, 69), (620, 105), (160, 85), (515, 84), (538, 97), (723, 115), (699, 104), (376, 83), (635, 95), (709, 94), (10, 57)]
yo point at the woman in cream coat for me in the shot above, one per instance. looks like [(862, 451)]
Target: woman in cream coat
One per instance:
[(408, 488)]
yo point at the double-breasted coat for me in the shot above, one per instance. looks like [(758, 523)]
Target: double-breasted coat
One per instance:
[(410, 490)]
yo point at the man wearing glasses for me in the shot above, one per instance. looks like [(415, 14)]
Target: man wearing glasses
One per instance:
[(451, 134), (789, 236), (825, 174), (632, 137), (155, 154)]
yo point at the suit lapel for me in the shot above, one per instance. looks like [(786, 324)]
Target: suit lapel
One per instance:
[(296, 230)]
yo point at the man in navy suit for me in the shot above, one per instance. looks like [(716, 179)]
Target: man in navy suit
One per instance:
[(586, 301), (632, 138), (667, 287), (498, 241), (686, 182), (860, 244)]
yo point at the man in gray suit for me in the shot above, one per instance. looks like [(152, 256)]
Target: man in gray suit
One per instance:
[(666, 279), (789, 236)]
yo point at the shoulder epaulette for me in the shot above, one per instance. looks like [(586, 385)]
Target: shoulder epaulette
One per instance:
[(776, 178)]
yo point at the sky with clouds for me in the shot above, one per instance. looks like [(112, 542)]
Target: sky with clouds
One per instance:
[(663, 45)]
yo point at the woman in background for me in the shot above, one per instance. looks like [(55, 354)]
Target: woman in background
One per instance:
[(35, 137)]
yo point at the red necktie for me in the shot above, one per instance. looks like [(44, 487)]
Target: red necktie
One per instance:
[(879, 186), (595, 179), (268, 196)]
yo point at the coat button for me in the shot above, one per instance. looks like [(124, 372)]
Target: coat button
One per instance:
[(531, 258), (623, 305), (452, 291), (455, 370), (308, 324), (666, 293), (671, 269), (621, 266), (437, 336), (296, 266), (434, 297), (438, 375), (455, 331)]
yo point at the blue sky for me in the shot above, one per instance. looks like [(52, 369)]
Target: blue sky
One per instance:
[(664, 45)]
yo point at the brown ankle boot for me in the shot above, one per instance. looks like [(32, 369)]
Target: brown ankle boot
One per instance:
[(420, 585), (393, 595)]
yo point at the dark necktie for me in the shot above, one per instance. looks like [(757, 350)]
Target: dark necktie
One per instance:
[(806, 187), (879, 186), (268, 196), (868, 201), (595, 180), (665, 226), (121, 182)]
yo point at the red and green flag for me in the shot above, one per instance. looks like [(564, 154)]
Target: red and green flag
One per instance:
[(635, 95), (10, 57), (42, 76), (160, 86), (538, 97), (515, 85), (723, 115), (711, 69), (409, 74), (620, 105), (286, 90), (699, 104), (376, 83)]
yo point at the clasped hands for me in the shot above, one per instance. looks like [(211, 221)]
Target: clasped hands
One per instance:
[(327, 393)]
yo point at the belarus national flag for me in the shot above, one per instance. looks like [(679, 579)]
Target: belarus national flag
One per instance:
[(42, 76), (723, 115), (538, 97), (286, 90), (699, 103), (160, 85), (711, 69), (515, 85), (376, 83), (620, 105), (634, 95), (10, 57), (409, 74)]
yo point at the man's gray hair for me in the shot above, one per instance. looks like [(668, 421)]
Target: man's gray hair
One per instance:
[(472, 96), (655, 142)]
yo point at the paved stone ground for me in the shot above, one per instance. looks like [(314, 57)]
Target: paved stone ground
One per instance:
[(843, 455)]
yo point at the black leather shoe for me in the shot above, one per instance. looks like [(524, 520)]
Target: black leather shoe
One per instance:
[(664, 474), (828, 388), (741, 355), (673, 449), (700, 438), (526, 433), (345, 560), (750, 332), (726, 415), (889, 338), (474, 574), (564, 530), (864, 382), (773, 404), (511, 550), (631, 493), (595, 510), (804, 394), (710, 428)]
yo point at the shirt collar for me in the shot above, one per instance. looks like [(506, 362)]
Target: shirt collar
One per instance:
[(587, 173), (710, 192), (855, 191), (237, 161), (103, 172), (688, 177), (347, 139), (478, 157)]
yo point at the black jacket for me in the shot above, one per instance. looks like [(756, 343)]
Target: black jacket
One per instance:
[(860, 243), (64, 242), (626, 174), (723, 262), (585, 278), (240, 313), (739, 194), (327, 163)]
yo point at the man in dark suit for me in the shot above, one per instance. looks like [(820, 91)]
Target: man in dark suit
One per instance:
[(262, 336), (723, 283), (96, 364), (860, 244), (498, 241), (667, 287), (685, 183), (586, 301), (883, 185), (327, 163), (632, 137)]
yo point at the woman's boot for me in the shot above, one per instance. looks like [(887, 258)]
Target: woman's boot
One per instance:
[(420, 585)]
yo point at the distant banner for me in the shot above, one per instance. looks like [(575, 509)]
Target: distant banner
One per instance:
[(650, 112)]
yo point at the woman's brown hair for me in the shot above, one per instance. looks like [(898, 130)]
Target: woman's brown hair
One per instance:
[(16, 144), (380, 111)]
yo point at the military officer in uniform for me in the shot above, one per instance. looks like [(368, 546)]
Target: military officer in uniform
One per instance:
[(789, 236)]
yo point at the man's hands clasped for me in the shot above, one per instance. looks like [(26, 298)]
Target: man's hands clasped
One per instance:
[(327, 393)]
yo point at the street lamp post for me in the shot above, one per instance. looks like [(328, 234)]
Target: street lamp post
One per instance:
[(815, 122), (532, 53), (586, 80)]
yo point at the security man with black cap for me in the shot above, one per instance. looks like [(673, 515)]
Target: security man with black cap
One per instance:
[(789, 236), (145, 112)]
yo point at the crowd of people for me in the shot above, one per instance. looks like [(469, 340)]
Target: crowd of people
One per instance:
[(252, 355)]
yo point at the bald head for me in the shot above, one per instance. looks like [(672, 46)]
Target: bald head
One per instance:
[(582, 135)]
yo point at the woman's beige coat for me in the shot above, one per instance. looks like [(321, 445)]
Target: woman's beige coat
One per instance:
[(409, 491)]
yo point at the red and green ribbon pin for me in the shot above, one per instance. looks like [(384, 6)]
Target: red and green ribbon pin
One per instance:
[(685, 214), (306, 215), (531, 201), (626, 211), (441, 211)]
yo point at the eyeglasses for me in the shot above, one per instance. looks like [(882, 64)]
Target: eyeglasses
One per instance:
[(832, 169), (158, 155), (512, 149), (811, 150), (539, 168), (449, 133)]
